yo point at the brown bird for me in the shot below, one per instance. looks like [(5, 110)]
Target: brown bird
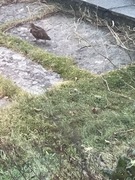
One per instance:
[(38, 32)]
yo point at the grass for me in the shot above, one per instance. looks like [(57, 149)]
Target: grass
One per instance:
[(50, 135), (7, 88), (61, 65), (59, 122)]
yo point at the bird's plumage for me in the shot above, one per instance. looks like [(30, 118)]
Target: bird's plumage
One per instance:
[(38, 32)]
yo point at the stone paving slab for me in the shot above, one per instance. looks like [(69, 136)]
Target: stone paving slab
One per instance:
[(123, 7), (28, 75), (125, 11), (111, 3), (70, 38), (19, 11)]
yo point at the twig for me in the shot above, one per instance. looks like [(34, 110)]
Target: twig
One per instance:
[(118, 40), (122, 95), (29, 11), (105, 58), (124, 132), (106, 83), (119, 94)]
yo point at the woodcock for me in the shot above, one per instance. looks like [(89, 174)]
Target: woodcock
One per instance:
[(38, 32)]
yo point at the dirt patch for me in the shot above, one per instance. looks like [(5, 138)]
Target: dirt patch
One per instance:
[(28, 75), (19, 11), (87, 44)]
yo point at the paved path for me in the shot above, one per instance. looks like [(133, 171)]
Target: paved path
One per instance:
[(122, 8)]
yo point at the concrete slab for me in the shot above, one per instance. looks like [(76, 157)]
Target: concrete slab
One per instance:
[(19, 11), (111, 3), (120, 11), (125, 11), (86, 44), (122, 7), (28, 75)]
